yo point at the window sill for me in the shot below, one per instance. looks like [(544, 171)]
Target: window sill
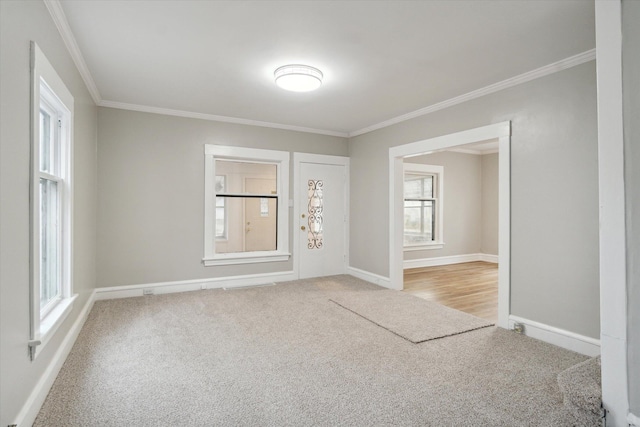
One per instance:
[(52, 321), (424, 247), (246, 258)]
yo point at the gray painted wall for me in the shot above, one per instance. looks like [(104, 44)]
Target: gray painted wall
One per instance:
[(151, 193), (554, 198), (631, 90), (21, 22), (490, 176)]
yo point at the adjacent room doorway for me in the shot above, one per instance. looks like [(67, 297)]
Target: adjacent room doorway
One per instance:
[(499, 131)]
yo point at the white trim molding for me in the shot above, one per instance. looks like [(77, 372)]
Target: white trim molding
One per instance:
[(128, 291), (31, 407), (558, 337), (489, 258), (633, 420), (376, 279), (448, 260), (546, 70), (216, 118), (60, 20), (613, 252), (61, 23)]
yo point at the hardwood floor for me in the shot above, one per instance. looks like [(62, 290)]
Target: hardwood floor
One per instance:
[(471, 287)]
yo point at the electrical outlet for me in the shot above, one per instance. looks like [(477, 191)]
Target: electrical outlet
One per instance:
[(518, 327), (148, 291)]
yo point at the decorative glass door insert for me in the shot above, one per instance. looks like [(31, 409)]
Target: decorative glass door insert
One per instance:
[(315, 211)]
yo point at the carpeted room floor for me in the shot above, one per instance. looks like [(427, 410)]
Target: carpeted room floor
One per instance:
[(286, 355)]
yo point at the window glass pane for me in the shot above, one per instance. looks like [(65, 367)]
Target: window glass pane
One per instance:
[(221, 225), (247, 177), (220, 183), (45, 141), (49, 242), (419, 222), (251, 224), (418, 186), (221, 231)]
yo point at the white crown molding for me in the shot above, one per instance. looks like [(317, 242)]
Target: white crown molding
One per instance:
[(60, 20), (216, 118), (563, 64)]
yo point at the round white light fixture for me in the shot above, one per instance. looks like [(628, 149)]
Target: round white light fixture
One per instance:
[(298, 78)]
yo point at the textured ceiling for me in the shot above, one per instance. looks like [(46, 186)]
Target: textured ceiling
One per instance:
[(381, 59)]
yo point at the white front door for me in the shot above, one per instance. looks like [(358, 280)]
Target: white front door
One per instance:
[(321, 201)]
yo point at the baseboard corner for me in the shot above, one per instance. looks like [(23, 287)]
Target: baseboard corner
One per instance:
[(376, 279), (558, 337)]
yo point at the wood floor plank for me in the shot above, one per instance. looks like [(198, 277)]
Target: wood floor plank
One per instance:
[(471, 287)]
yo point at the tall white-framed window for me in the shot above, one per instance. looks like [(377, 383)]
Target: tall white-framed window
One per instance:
[(423, 206), (246, 205), (51, 200)]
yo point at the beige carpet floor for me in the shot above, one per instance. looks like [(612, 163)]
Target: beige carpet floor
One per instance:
[(286, 355), (412, 318)]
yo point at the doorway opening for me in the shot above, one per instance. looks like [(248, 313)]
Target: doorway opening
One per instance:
[(451, 228), (501, 133)]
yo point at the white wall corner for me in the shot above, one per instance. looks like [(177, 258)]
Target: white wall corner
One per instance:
[(558, 337), (31, 407), (376, 279)]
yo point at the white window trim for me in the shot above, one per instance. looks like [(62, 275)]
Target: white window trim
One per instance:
[(438, 171), (54, 91), (281, 159)]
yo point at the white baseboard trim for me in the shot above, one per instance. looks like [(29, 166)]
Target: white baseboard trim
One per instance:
[(489, 258), (559, 337), (633, 420), (31, 407), (193, 285), (447, 260), (370, 277)]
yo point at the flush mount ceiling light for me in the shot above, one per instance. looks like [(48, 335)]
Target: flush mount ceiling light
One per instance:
[(298, 78)]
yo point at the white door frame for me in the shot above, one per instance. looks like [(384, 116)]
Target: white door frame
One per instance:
[(501, 131), (322, 159), (613, 252)]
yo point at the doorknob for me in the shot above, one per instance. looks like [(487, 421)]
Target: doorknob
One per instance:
[(303, 228)]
